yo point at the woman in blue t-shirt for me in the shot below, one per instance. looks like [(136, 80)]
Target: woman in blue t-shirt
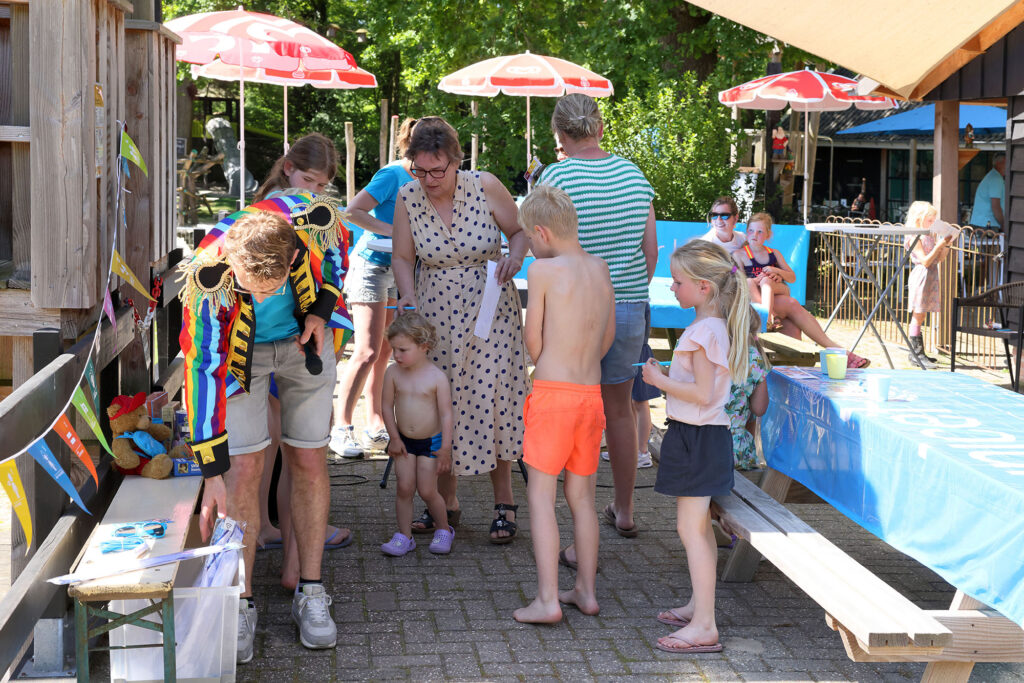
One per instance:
[(369, 289)]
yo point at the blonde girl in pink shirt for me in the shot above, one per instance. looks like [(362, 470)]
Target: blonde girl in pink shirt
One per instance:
[(696, 453)]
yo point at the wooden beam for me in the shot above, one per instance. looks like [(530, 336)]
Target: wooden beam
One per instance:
[(15, 134), (19, 317), (945, 195)]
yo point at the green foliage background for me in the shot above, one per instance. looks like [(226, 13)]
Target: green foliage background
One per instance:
[(666, 59)]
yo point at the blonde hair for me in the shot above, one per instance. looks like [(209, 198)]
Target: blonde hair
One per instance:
[(415, 327), (702, 260), (313, 152), (434, 135), (577, 116), (262, 244), (763, 218), (918, 212), (551, 207)]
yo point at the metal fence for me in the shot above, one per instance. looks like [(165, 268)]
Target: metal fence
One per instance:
[(975, 264)]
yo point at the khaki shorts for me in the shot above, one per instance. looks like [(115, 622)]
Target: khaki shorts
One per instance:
[(306, 400)]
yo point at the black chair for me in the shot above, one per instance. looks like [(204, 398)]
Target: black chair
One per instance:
[(1003, 299)]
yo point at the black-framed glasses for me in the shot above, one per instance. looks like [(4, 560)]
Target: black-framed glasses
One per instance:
[(277, 292), (433, 172), (720, 216)]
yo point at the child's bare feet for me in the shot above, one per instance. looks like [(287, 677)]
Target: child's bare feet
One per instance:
[(585, 603), (538, 613)]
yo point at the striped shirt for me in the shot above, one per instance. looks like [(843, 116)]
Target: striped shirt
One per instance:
[(612, 199)]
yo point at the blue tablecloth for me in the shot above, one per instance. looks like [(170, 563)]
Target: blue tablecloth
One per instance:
[(937, 472)]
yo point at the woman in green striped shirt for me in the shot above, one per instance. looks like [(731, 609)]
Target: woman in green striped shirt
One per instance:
[(616, 222)]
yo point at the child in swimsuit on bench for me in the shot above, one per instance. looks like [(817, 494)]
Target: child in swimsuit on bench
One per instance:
[(766, 269)]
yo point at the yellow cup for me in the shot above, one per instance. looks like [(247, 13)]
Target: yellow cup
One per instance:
[(836, 365)]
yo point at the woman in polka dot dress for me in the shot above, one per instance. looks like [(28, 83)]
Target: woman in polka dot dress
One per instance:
[(451, 221)]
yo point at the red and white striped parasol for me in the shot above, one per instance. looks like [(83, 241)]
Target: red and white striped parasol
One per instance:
[(526, 75), (805, 91), (236, 45)]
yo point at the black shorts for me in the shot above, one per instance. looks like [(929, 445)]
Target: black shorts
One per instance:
[(422, 447), (695, 461)]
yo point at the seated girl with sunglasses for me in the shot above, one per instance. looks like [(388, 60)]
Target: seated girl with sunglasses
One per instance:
[(786, 315)]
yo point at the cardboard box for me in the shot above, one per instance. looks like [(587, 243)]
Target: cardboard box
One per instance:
[(185, 467)]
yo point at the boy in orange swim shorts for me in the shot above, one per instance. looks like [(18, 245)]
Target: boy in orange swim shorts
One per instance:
[(570, 325)]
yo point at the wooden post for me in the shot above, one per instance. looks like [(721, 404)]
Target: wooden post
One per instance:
[(21, 168), (392, 137), (383, 132), (912, 197), (350, 162), (476, 138), (944, 197)]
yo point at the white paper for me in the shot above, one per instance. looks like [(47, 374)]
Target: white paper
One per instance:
[(942, 228), (489, 303)]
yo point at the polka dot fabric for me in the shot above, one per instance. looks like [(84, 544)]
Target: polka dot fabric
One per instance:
[(488, 377)]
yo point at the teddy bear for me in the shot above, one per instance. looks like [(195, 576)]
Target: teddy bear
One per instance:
[(138, 441)]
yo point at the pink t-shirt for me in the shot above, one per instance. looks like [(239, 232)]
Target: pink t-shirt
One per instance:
[(711, 335)]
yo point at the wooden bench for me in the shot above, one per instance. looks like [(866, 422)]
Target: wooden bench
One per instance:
[(136, 500), (876, 623), (784, 350)]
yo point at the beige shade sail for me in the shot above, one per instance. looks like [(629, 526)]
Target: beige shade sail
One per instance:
[(907, 46)]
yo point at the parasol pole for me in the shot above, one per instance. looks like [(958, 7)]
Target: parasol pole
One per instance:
[(807, 187), (528, 155), (286, 119), (241, 128)]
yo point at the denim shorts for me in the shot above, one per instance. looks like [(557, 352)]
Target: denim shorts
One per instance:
[(369, 283), (305, 398), (630, 331)]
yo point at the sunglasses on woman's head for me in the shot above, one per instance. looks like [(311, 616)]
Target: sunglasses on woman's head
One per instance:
[(722, 216)]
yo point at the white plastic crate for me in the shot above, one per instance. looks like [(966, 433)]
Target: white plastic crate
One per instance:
[(206, 645)]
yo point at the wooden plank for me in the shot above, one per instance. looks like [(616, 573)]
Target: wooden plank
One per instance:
[(63, 222), (140, 498), (21, 240), (6, 114), (21, 361), (923, 630), (870, 608), (19, 317), (15, 134), (155, 26)]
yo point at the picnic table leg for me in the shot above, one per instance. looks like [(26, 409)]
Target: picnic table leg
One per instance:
[(82, 641), (953, 672), (170, 666), (742, 562)]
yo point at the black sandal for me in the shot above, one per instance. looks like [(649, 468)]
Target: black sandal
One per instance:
[(427, 521), (501, 523)]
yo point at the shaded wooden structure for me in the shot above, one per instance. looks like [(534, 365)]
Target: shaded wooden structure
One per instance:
[(95, 64)]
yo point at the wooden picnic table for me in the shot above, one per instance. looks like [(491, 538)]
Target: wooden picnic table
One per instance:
[(937, 472)]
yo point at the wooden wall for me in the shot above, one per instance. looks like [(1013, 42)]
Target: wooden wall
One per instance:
[(993, 74), (1015, 188)]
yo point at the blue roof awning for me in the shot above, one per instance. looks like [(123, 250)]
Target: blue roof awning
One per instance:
[(985, 119)]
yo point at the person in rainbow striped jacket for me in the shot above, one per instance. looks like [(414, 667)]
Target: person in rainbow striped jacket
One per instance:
[(259, 296)]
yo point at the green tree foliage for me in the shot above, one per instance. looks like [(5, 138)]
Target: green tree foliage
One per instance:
[(645, 47), (679, 137)]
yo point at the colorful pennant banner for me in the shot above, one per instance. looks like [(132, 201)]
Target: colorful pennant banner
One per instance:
[(67, 432), (130, 151), (11, 482), (85, 410), (44, 456), (121, 269), (108, 308), (90, 379)]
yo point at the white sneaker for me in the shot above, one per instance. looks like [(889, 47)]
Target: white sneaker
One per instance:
[(246, 631), (605, 456), (343, 442), (643, 461), (311, 613), (377, 440)]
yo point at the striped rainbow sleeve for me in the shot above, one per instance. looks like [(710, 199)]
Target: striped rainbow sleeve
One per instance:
[(204, 343)]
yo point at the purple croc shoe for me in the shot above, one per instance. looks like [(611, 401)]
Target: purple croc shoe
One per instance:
[(442, 542)]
